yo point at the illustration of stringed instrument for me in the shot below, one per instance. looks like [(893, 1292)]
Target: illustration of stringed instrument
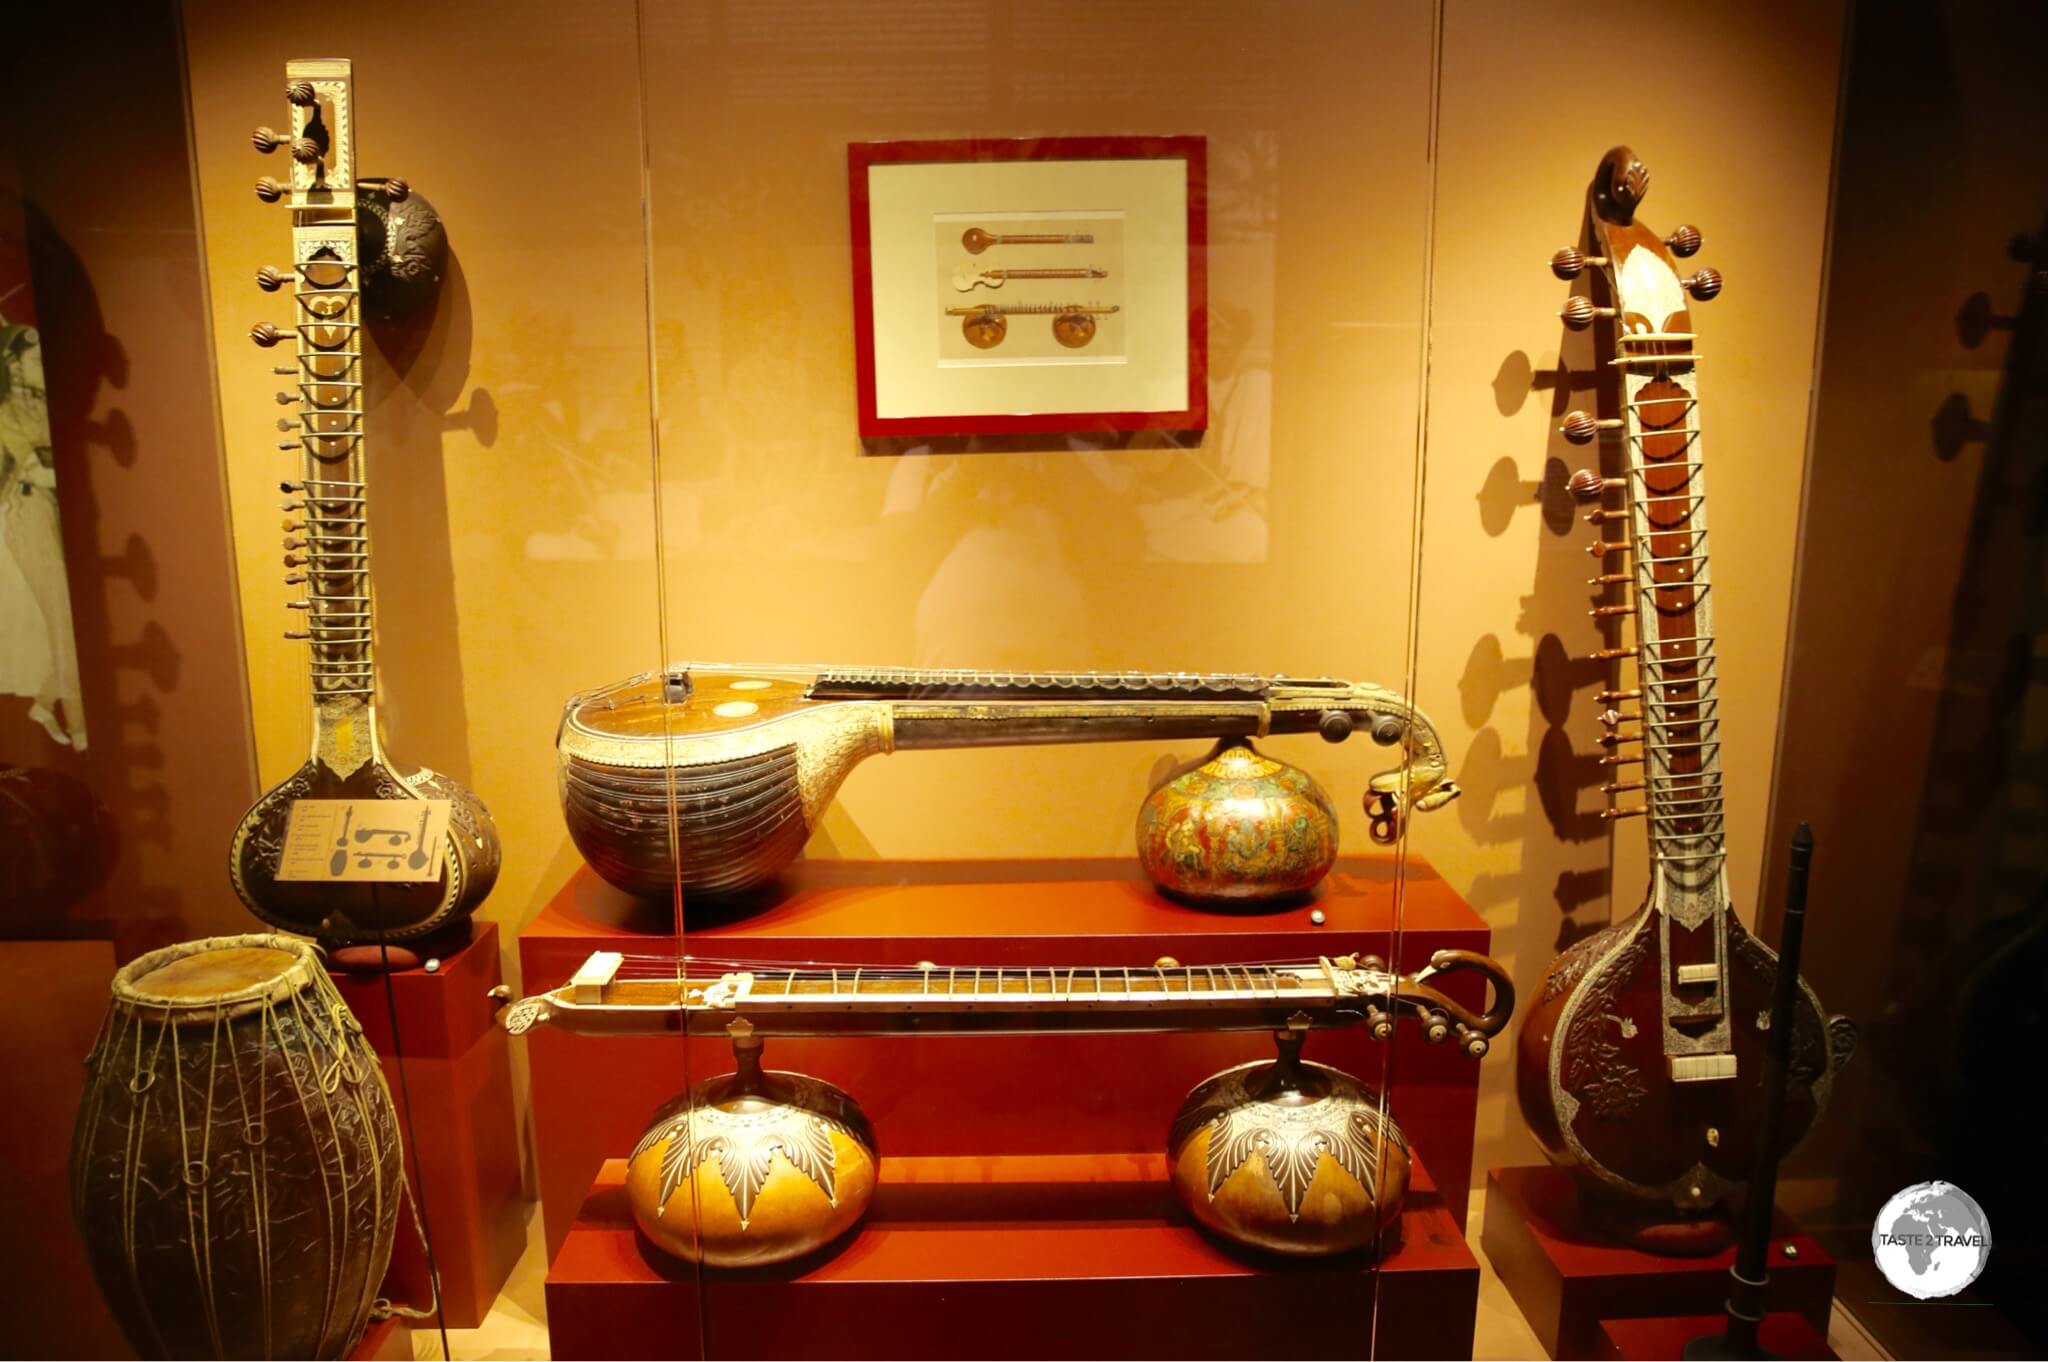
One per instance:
[(975, 240), (328, 552), (1641, 1062), (967, 278), (1073, 324), (753, 754)]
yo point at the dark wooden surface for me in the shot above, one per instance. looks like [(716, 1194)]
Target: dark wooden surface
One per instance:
[(1784, 1334), (1566, 1278)]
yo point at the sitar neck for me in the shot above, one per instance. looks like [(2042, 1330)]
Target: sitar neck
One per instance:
[(327, 528)]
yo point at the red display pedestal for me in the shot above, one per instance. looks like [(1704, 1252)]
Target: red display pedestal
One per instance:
[(1783, 1335), (1033, 1256), (463, 1138), (1566, 1278), (988, 1097)]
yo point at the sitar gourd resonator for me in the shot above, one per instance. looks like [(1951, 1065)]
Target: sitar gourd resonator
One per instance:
[(744, 759), (760, 1166), (1641, 1062), (327, 537)]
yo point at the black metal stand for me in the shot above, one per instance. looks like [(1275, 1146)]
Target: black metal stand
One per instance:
[(1750, 1273)]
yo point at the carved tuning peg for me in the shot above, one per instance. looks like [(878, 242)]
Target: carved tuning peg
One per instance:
[(266, 335), (1610, 718), (1586, 486), (270, 278), (305, 150), (1578, 313), (1569, 262), (300, 92), (269, 190), (1703, 283), (1684, 239), (1335, 725), (1580, 428), (397, 190), (267, 140)]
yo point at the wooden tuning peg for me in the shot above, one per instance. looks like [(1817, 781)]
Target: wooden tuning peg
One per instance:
[(270, 278), (1609, 655), (1578, 313), (1605, 515), (305, 150), (1608, 697), (1612, 758), (300, 92), (290, 524), (1621, 786), (397, 190), (265, 335), (292, 541), (288, 487), (298, 605), (1569, 262), (1579, 428), (267, 140), (295, 579), (1607, 546), (1703, 283), (269, 190), (297, 633), (291, 446), (292, 560), (1684, 239), (1610, 578), (1586, 486), (285, 400), (1613, 814), (286, 424), (1606, 612)]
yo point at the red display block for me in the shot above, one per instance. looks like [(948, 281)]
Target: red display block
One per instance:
[(386, 1340), (1033, 1256), (1783, 1335), (1566, 1278), (462, 1142), (993, 1096)]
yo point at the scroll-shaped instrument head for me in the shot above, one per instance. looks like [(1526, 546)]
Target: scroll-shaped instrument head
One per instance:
[(1619, 186), (1421, 784), (1650, 296)]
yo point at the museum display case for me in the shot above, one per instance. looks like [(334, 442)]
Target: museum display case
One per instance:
[(963, 679)]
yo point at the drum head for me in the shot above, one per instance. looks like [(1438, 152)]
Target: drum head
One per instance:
[(216, 971)]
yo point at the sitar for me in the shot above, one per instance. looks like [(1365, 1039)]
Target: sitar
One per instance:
[(1641, 1064), (713, 776), (327, 553)]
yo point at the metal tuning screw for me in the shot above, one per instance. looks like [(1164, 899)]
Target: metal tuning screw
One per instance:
[(270, 278), (269, 190), (265, 335), (305, 150), (1580, 428), (1586, 486), (267, 140), (1569, 262), (300, 92), (1703, 284), (1684, 239), (1578, 313)]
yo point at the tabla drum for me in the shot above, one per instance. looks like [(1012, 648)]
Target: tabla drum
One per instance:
[(236, 1166)]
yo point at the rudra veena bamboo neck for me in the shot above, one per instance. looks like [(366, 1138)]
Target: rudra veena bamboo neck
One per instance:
[(616, 994), (712, 776), (327, 552)]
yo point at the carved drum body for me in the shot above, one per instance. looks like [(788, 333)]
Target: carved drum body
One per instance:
[(1237, 826), (1289, 1157), (236, 1168), (751, 1168), (1594, 1076)]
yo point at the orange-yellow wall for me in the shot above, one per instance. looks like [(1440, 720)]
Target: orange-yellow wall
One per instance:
[(516, 481)]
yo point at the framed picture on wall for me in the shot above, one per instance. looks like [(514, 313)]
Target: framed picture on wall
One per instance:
[(1030, 285)]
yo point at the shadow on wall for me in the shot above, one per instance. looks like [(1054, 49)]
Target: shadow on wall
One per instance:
[(122, 680)]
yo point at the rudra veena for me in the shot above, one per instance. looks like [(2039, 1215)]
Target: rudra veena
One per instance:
[(751, 755)]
